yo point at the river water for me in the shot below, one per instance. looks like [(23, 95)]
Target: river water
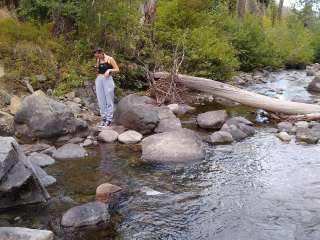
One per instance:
[(259, 188)]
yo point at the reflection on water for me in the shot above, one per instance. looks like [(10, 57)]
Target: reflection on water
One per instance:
[(259, 189)]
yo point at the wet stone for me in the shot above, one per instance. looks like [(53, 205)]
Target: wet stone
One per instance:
[(220, 137), (70, 151), (85, 215), (40, 159), (18, 233)]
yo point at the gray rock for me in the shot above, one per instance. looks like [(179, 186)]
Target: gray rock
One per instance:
[(70, 151), (301, 124), (76, 140), (310, 72), (306, 135), (75, 107), (314, 85), (18, 175), (286, 127), (6, 124), (8, 155), (168, 125), (45, 179), (164, 112), (41, 159), (177, 146), (19, 183), (18, 233), (47, 118), (85, 215), (316, 130), (30, 148), (283, 136), (220, 137), (49, 151), (180, 109), (108, 136), (130, 137), (87, 143), (136, 113), (212, 119), (239, 128)]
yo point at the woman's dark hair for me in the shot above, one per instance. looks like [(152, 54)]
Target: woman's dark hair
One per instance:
[(98, 50)]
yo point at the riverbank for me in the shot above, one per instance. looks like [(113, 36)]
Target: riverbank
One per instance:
[(257, 177)]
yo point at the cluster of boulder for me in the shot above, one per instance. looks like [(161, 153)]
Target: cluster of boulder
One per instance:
[(226, 130), (246, 79), (306, 132)]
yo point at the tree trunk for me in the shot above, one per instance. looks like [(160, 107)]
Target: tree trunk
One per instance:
[(280, 10), (242, 96), (149, 11), (241, 8)]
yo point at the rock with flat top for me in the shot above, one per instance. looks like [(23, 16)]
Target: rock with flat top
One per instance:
[(70, 151), (212, 119), (85, 215), (108, 136), (178, 146), (130, 137), (19, 233), (40, 159)]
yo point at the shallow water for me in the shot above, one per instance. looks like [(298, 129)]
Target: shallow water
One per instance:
[(259, 188)]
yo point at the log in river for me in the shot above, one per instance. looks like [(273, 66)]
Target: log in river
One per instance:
[(242, 96)]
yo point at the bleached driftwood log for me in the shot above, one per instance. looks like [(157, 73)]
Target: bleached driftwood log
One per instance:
[(244, 97)]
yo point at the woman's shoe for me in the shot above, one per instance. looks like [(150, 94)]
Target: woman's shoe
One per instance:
[(102, 124), (107, 123)]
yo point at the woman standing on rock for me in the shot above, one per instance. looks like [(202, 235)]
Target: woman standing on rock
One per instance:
[(106, 65)]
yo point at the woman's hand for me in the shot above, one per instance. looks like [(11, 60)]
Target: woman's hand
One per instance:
[(107, 73)]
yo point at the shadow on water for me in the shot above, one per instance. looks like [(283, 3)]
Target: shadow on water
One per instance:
[(259, 188)]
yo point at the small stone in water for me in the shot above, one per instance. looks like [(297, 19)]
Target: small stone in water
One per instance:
[(150, 192), (284, 136)]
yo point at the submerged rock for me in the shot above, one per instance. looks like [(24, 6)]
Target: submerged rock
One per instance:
[(85, 215), (70, 151), (212, 119), (19, 233), (177, 146), (137, 113), (44, 117), (45, 179), (41, 160), (220, 137), (130, 137)]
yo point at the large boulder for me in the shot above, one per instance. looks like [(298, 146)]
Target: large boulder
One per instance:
[(18, 233), (70, 151), (178, 146), (212, 119), (137, 113), (239, 128), (19, 182), (314, 85), (46, 118), (85, 215)]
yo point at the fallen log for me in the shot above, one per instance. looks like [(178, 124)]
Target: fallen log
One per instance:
[(243, 96)]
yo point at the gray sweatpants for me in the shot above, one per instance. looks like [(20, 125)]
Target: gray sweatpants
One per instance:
[(105, 95)]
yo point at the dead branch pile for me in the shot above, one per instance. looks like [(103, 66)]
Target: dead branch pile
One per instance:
[(166, 90)]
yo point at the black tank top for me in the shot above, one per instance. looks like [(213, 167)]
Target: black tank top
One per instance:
[(103, 67)]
